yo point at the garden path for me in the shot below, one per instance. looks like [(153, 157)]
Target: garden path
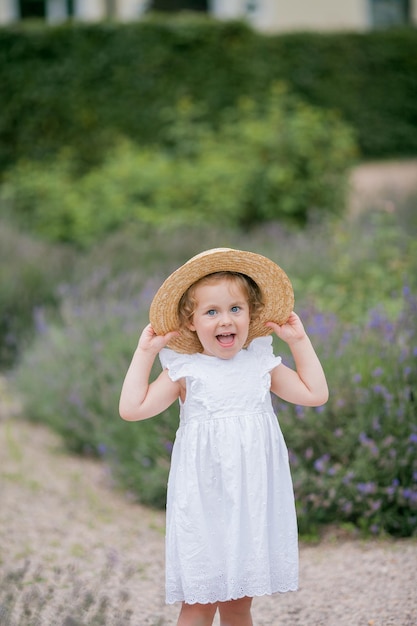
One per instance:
[(380, 184)]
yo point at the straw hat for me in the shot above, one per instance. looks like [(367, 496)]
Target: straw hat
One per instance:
[(274, 284)]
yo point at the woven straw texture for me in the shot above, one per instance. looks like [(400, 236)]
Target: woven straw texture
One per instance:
[(275, 286)]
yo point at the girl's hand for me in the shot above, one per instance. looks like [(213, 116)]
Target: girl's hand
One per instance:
[(290, 332), (149, 341)]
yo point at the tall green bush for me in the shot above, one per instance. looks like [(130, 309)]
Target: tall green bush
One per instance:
[(282, 160)]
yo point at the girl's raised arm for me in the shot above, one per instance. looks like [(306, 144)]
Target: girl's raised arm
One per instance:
[(307, 385), (140, 399)]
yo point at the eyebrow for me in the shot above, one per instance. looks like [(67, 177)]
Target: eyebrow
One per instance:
[(214, 306)]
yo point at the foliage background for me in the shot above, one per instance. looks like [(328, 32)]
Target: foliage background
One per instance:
[(81, 87)]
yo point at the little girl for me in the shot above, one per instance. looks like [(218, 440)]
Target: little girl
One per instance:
[(231, 525)]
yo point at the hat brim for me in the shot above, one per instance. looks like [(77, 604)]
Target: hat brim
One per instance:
[(274, 284)]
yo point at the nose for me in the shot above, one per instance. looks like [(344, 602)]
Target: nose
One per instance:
[(225, 319)]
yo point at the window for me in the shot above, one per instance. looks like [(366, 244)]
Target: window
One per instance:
[(32, 8), (386, 13), (110, 8), (47, 9), (179, 5)]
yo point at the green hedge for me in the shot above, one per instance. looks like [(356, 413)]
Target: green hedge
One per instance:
[(80, 86), (286, 163)]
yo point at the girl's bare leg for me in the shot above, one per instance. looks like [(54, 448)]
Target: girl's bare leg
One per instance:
[(197, 614), (236, 612)]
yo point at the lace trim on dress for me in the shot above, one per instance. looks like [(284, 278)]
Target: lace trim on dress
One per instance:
[(263, 350)]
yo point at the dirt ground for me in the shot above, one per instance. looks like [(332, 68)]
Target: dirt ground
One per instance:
[(66, 533)]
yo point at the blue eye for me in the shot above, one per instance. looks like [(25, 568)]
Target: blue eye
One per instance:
[(235, 309), (211, 312)]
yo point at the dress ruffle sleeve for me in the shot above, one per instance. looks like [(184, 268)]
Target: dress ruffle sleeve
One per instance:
[(178, 365), (263, 351)]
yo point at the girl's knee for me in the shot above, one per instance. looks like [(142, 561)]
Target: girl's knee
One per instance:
[(197, 614), (236, 611)]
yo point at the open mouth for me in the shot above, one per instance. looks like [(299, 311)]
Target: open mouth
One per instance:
[(226, 339)]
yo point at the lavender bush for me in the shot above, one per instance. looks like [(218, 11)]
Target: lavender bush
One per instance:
[(355, 460), (26, 283)]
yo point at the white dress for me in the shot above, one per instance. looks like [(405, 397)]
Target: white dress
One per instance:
[(231, 521)]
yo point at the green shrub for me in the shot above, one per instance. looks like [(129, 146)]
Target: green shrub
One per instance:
[(279, 161), (30, 272), (353, 460)]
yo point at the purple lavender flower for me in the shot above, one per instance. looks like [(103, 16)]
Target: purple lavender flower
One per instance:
[(376, 424), (309, 453), (364, 439), (102, 449), (393, 487), (40, 320), (407, 493), (168, 445), (379, 389), (321, 463), (347, 507), (348, 477), (366, 488), (299, 411)]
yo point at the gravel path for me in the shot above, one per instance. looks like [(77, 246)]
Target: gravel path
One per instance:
[(69, 544)]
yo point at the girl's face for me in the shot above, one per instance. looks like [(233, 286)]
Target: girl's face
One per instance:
[(221, 318)]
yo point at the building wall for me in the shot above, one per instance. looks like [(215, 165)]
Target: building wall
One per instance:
[(227, 9), (319, 15), (130, 9), (125, 10), (8, 11), (89, 11)]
